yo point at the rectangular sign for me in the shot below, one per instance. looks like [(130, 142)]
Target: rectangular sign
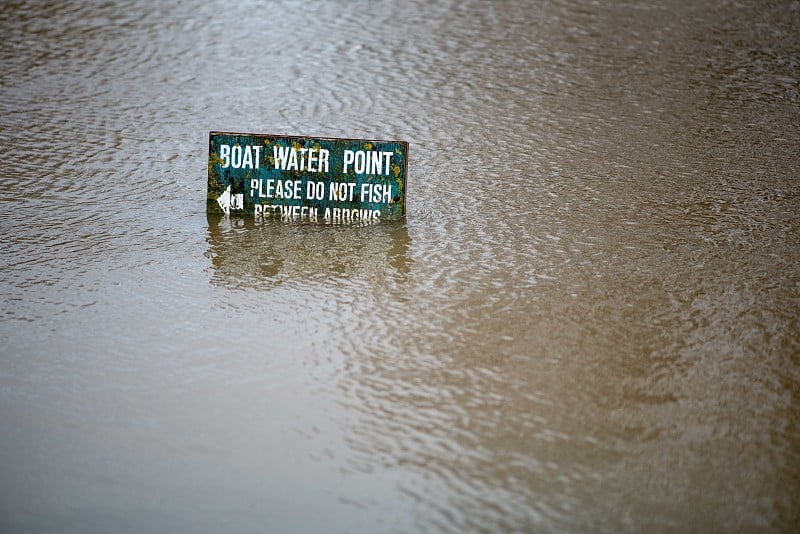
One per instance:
[(318, 179)]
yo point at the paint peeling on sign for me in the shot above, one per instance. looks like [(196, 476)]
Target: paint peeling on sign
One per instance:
[(319, 179)]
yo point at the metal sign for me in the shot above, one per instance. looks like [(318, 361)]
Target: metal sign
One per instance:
[(318, 179)]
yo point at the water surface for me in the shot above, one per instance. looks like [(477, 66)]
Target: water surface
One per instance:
[(589, 321)]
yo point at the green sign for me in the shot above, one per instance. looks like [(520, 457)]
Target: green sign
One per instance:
[(318, 179)]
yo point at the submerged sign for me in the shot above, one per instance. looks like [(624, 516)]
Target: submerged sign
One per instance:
[(319, 179)]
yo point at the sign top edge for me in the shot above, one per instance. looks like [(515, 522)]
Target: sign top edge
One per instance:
[(320, 138)]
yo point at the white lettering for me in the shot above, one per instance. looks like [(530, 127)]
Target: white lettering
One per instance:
[(348, 159), (303, 152), (225, 155), (312, 159), (292, 165), (350, 215), (360, 164), (367, 161), (315, 190), (387, 156), (280, 154), (287, 158), (323, 160), (342, 191), (247, 159), (377, 193), (236, 156)]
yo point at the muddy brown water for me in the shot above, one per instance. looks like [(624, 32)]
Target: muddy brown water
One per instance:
[(589, 321)]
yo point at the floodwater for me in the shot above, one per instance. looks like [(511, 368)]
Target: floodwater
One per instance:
[(589, 321)]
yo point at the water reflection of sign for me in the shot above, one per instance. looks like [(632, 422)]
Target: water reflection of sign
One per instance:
[(318, 179), (264, 253)]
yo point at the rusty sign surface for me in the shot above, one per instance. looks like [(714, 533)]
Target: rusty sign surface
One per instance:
[(314, 178)]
